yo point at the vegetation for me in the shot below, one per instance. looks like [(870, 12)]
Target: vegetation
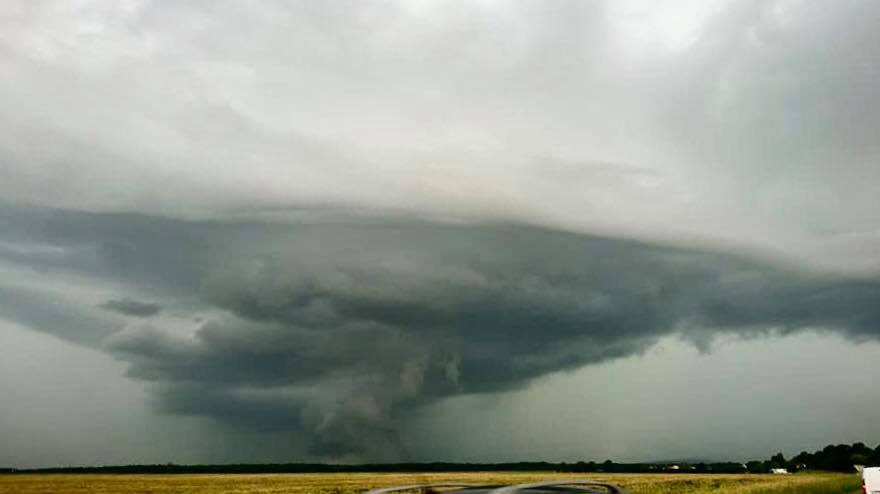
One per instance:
[(534, 466), (297, 478), (835, 458), (839, 458), (351, 483)]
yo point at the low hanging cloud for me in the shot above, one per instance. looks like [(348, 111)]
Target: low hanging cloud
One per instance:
[(332, 330)]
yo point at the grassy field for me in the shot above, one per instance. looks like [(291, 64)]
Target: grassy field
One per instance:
[(811, 483)]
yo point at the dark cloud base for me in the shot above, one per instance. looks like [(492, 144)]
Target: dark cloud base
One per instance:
[(331, 331)]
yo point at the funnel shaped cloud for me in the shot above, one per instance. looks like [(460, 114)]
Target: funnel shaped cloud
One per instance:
[(330, 330)]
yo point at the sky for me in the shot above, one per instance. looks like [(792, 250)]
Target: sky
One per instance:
[(433, 230)]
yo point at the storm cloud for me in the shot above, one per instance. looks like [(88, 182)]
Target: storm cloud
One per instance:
[(329, 330), (321, 219)]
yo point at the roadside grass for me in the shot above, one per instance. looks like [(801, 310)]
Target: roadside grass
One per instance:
[(849, 484), (355, 483)]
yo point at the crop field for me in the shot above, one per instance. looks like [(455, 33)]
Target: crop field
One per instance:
[(336, 483)]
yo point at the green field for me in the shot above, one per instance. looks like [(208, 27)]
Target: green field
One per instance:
[(337, 483)]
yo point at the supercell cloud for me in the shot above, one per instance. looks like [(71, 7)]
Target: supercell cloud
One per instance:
[(316, 220), (329, 331)]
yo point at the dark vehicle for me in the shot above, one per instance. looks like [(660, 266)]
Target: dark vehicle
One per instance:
[(552, 487)]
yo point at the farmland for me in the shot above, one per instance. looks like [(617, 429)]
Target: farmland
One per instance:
[(344, 483)]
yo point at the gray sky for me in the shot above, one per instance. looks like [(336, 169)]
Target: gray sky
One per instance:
[(277, 231)]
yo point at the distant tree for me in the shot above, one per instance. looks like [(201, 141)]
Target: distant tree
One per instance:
[(838, 457), (778, 461), (757, 467), (803, 458)]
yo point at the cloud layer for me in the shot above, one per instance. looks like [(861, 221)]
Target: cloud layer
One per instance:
[(748, 122)]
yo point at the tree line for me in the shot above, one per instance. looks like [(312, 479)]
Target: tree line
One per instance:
[(839, 458)]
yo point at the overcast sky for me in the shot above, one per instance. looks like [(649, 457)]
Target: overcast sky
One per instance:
[(436, 230)]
